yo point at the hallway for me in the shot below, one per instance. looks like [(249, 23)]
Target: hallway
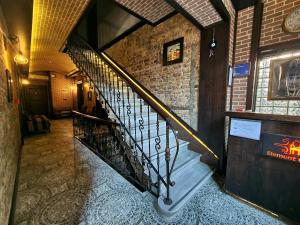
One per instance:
[(62, 182)]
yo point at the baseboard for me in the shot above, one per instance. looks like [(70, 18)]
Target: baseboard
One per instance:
[(14, 196)]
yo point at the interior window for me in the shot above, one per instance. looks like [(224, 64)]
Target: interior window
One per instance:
[(289, 81)]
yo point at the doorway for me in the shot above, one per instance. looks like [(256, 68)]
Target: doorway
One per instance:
[(80, 97), (36, 99)]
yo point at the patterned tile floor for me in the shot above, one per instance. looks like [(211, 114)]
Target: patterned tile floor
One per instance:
[(62, 182)]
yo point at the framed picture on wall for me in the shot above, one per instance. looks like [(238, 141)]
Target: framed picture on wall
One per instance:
[(284, 82), (9, 86), (173, 52)]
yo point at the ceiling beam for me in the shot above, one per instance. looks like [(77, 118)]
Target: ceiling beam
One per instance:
[(242, 4), (183, 12), (221, 9)]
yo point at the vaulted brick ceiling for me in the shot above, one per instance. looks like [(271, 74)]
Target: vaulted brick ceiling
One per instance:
[(52, 22), (152, 10), (201, 10)]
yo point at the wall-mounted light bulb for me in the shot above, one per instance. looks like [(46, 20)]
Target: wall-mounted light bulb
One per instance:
[(20, 59), (25, 82)]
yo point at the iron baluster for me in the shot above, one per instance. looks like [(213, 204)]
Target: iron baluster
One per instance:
[(168, 200), (110, 85), (129, 113), (135, 125), (119, 98), (149, 145), (123, 109), (157, 149), (104, 80), (114, 93)]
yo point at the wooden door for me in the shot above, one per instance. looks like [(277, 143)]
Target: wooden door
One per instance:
[(36, 99), (80, 98)]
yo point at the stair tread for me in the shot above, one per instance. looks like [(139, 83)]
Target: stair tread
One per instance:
[(187, 181), (184, 156)]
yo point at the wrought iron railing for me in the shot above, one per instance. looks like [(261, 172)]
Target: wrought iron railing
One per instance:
[(146, 124), (144, 131), (102, 137)]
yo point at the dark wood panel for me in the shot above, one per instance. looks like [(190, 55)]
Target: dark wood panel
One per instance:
[(269, 182), (242, 4), (256, 32), (212, 89), (279, 48), (261, 116), (37, 99)]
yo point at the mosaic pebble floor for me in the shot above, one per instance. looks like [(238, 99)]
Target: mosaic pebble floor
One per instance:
[(61, 182)]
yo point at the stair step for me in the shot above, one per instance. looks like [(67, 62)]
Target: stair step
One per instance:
[(153, 151), (172, 141), (153, 130), (188, 180), (184, 156)]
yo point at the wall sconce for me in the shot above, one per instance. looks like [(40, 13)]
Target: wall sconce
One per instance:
[(19, 58), (25, 82)]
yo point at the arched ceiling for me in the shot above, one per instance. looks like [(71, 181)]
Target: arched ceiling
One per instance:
[(52, 22)]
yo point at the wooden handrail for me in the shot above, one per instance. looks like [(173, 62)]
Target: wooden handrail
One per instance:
[(107, 122)]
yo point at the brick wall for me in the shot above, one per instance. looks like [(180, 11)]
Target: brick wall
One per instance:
[(271, 33), (242, 53), (62, 92), (274, 13), (10, 137), (176, 85)]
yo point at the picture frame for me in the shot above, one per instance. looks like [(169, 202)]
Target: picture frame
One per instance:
[(284, 79), (9, 82), (173, 52)]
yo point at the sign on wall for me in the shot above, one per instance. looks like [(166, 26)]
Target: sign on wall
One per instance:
[(281, 147), (245, 128), (241, 70)]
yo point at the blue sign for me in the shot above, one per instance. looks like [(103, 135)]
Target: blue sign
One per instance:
[(241, 70)]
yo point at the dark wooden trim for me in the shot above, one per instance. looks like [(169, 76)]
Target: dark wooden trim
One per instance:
[(242, 4), (72, 74), (188, 16), (233, 56), (83, 16), (221, 9), (262, 116), (135, 28), (50, 98), (165, 18), (107, 122), (256, 33), (132, 13), (122, 36), (212, 90), (279, 47)]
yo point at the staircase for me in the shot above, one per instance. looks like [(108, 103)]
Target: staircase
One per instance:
[(148, 129)]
